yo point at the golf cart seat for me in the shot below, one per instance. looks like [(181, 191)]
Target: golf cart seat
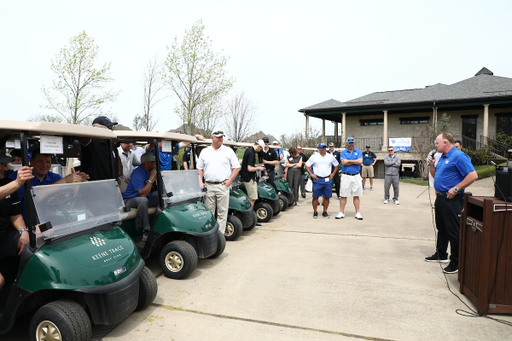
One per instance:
[(133, 213)]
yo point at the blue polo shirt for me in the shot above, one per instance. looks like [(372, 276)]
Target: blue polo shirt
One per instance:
[(347, 155), (368, 158), (165, 159), (137, 181), (451, 169), (49, 179)]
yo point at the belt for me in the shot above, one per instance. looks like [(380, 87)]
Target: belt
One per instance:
[(322, 177), (214, 183), (350, 174), (446, 193)]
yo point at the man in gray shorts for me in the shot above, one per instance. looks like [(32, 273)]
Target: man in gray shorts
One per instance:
[(369, 159), (249, 168)]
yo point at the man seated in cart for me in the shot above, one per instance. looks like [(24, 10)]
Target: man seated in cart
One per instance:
[(41, 165), (138, 192)]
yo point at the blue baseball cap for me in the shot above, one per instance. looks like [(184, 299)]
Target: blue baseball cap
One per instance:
[(350, 140), (321, 145)]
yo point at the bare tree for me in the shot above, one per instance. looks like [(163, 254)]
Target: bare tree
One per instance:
[(153, 88), (240, 118), (79, 82), (46, 118), (207, 117)]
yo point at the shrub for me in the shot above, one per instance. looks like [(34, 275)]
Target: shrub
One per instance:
[(479, 157)]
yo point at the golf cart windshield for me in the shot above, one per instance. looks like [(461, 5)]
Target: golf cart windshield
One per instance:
[(71, 208), (181, 186), (279, 171)]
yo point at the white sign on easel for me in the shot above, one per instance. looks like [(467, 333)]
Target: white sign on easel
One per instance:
[(51, 144)]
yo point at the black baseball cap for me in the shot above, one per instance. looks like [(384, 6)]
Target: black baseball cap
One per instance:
[(367, 146), (5, 159), (265, 139), (104, 121)]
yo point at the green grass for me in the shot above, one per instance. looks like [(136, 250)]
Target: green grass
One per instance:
[(416, 181)]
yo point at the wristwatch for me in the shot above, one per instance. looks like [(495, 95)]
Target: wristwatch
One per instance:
[(455, 189), (151, 182)]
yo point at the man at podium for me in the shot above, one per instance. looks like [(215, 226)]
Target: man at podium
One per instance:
[(453, 173)]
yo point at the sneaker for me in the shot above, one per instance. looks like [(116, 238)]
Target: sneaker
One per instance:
[(340, 216), (304, 196), (315, 215), (371, 188), (325, 215), (364, 188), (452, 268), (396, 202), (359, 216), (386, 201), (257, 225), (435, 258), (144, 237)]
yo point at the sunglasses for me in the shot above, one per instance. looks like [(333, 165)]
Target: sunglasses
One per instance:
[(390, 150)]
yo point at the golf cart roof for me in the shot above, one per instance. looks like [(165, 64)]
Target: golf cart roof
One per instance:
[(9, 128), (208, 142), (149, 136)]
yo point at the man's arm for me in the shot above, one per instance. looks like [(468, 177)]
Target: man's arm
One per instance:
[(334, 172), (19, 224), (201, 175), (311, 175), (23, 174), (468, 180), (144, 191), (73, 177), (346, 162), (234, 174)]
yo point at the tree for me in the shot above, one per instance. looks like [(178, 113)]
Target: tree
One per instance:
[(240, 118), (152, 86), (207, 118), (79, 82), (195, 74), (45, 118)]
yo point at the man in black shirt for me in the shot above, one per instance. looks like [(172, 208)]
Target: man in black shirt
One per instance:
[(270, 160), (336, 178), (302, 174), (248, 170), (13, 232)]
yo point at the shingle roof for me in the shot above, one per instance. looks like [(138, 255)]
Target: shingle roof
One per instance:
[(483, 85)]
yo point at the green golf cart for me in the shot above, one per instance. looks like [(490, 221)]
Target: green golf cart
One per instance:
[(182, 228), (79, 267)]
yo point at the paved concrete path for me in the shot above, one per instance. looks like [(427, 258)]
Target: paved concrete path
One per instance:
[(297, 278)]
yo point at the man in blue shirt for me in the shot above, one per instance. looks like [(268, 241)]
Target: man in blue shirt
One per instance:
[(369, 159), (138, 192), (41, 165), (165, 158), (453, 173), (351, 182)]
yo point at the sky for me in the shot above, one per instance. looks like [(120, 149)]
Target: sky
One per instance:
[(284, 55)]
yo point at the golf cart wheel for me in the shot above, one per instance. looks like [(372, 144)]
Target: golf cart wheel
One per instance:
[(290, 197), (254, 221), (60, 320), (147, 289), (234, 228), (263, 211), (221, 245), (283, 202), (178, 259)]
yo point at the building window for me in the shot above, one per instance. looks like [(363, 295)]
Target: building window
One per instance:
[(504, 123), (414, 120), (372, 122)]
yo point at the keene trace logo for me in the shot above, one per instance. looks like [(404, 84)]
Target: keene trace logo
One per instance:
[(97, 241)]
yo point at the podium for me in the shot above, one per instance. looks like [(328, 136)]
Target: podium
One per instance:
[(485, 255)]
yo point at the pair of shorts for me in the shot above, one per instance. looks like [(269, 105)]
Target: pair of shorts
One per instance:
[(368, 172), (252, 189), (322, 188), (351, 186)]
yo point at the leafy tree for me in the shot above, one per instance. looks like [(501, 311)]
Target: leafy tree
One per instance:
[(207, 118), (153, 87), (195, 74), (78, 88), (45, 118), (240, 118)]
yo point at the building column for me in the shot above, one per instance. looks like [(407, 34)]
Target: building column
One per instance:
[(385, 133), (343, 128), (485, 131), (335, 133), (307, 126), (434, 119), (323, 130)]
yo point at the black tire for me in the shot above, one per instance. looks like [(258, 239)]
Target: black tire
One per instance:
[(234, 228), (147, 289), (60, 320), (290, 197), (283, 201), (254, 221), (221, 245), (276, 207), (178, 259), (263, 212)]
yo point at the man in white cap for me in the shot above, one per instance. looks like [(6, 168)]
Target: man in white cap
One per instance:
[(138, 192), (219, 166), (351, 181)]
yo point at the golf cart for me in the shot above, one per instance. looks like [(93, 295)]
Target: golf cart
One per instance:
[(79, 267), (283, 189), (182, 228)]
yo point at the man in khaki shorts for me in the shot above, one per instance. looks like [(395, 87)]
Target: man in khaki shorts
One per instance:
[(249, 168), (369, 159)]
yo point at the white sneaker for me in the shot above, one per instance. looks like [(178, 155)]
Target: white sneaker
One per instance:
[(396, 202), (340, 216), (359, 216), (386, 201)]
